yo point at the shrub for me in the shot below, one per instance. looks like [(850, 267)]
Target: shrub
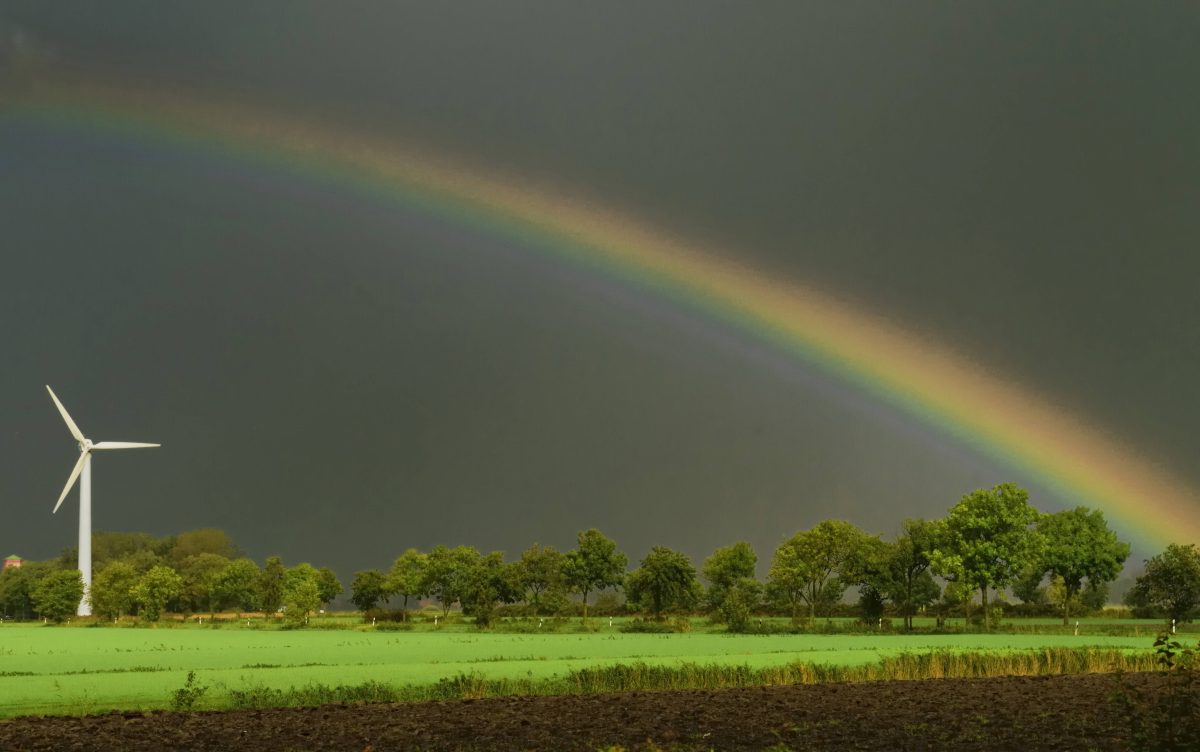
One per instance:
[(185, 697), (1168, 719)]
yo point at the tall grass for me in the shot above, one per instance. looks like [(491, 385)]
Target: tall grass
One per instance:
[(643, 676)]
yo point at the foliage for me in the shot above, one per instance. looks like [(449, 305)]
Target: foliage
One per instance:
[(740, 599), (1168, 719), (269, 590), (209, 540), (57, 595), (986, 540), (595, 565), (185, 698), (407, 577), (445, 573), (727, 566), (17, 585), (112, 590), (904, 579), (199, 573), (540, 573), (1171, 582), (812, 567), (486, 581), (1077, 545), (368, 588), (235, 586), (301, 598), (665, 580), (1028, 586), (328, 586), (154, 589)]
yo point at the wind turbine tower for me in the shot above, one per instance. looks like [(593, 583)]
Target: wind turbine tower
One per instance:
[(83, 472)]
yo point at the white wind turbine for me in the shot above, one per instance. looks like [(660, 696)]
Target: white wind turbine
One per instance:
[(84, 467)]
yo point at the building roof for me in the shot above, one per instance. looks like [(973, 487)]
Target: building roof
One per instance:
[(13, 556)]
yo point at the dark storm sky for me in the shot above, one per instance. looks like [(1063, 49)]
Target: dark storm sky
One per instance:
[(336, 379)]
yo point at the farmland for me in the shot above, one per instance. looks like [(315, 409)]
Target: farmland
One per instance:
[(71, 670)]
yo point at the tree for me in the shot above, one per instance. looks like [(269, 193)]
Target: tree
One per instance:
[(112, 590), (199, 573), (595, 565), (726, 567), (17, 585), (1028, 586), (155, 589), (57, 595), (328, 585), (906, 580), (446, 570), (235, 586), (141, 550), (666, 579), (1077, 545), (484, 583), (812, 566), (540, 571), (270, 586), (407, 578), (209, 540), (301, 598), (368, 589), (1171, 582), (738, 604), (986, 541)]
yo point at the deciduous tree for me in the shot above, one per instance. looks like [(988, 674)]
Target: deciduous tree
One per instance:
[(328, 585), (407, 577), (236, 586), (1076, 546), (811, 567), (665, 580), (540, 571), (595, 565), (112, 590), (726, 567), (1171, 582), (368, 589), (446, 571), (155, 589), (270, 586), (987, 540), (56, 596)]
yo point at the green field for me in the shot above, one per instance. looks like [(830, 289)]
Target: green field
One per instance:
[(83, 670)]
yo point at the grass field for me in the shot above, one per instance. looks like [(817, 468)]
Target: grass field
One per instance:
[(81, 670)]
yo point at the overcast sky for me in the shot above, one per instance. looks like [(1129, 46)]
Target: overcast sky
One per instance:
[(336, 379)]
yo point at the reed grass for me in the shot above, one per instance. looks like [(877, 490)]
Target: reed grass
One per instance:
[(626, 677)]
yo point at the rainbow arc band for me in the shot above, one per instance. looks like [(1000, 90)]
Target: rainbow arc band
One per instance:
[(998, 418)]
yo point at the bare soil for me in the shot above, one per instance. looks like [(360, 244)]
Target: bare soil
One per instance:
[(1026, 713)]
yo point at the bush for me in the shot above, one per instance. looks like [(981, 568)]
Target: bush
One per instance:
[(646, 626), (1170, 718), (185, 697)]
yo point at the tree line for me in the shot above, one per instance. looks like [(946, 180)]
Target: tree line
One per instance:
[(199, 571), (991, 541)]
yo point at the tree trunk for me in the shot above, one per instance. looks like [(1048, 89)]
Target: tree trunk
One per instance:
[(585, 595), (1067, 608), (987, 618)]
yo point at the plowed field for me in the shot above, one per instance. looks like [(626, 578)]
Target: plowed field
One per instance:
[(1026, 713)]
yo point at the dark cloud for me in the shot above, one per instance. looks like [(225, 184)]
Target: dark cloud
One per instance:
[(337, 379)]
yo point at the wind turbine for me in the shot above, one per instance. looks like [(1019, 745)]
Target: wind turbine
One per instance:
[(84, 467)]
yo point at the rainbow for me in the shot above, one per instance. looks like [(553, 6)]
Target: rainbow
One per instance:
[(940, 388)]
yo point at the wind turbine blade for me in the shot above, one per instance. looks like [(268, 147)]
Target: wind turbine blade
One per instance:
[(71, 481), (122, 445), (70, 423)]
